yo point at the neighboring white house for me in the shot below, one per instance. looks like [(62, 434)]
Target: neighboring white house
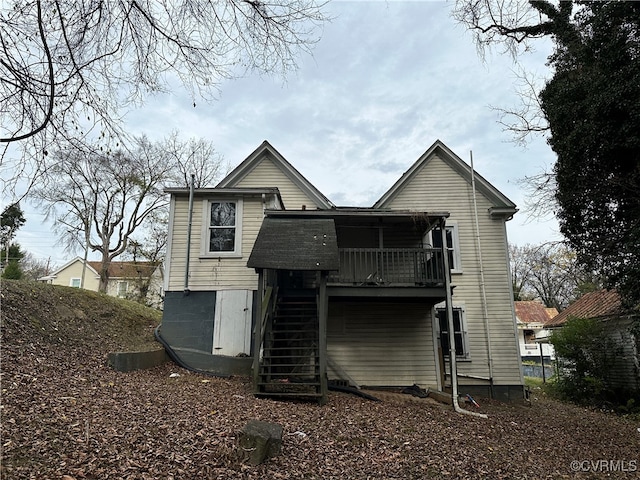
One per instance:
[(533, 320), (125, 278), (266, 276)]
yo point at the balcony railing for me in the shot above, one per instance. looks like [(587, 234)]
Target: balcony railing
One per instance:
[(389, 267)]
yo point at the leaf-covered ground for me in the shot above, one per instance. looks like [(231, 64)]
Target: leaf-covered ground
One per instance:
[(66, 415)]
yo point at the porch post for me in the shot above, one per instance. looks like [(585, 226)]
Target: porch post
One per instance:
[(322, 334), (257, 331)]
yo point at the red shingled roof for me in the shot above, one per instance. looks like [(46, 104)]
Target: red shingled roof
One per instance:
[(127, 269), (601, 303), (532, 311)]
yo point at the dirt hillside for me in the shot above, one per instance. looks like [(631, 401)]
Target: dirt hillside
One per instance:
[(70, 317), (66, 415)]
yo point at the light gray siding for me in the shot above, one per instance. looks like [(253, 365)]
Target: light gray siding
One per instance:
[(382, 344), (437, 187), (267, 174), (624, 373), (212, 273)]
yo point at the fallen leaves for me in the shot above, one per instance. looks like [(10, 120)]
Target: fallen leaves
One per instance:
[(65, 415)]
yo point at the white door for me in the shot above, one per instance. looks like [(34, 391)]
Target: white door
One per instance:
[(232, 322)]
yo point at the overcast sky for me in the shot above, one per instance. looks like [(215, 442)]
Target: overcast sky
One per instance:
[(387, 79)]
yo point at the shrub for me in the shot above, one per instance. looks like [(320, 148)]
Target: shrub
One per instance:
[(584, 356), (12, 271)]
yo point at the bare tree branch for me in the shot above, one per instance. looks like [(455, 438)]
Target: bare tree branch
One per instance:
[(69, 69)]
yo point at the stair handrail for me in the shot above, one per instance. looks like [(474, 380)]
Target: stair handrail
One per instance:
[(267, 309)]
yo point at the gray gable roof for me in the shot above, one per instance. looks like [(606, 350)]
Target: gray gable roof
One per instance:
[(502, 205), (266, 149), (295, 244)]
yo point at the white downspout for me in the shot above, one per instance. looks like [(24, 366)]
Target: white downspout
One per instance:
[(483, 290), (452, 341), (190, 223)]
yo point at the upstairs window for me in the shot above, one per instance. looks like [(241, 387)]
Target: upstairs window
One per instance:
[(452, 248), (460, 332), (221, 232), (75, 283)]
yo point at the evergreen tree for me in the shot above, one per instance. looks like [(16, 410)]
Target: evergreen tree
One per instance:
[(12, 271), (592, 104)]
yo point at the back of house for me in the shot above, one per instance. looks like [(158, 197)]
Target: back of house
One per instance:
[(267, 277)]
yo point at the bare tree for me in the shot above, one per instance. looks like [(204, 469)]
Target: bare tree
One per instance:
[(541, 190), (148, 245), (103, 198), (33, 268), (549, 272), (526, 120), (520, 271), (102, 202), (197, 157), (513, 25), (69, 69), (553, 275)]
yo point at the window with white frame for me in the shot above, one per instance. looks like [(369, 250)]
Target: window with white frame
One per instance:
[(459, 331), (122, 289), (452, 248), (222, 228), (75, 282)]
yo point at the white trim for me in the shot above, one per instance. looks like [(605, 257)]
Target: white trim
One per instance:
[(464, 329), (439, 149), (455, 237), (69, 263), (266, 150), (75, 278), (206, 215)]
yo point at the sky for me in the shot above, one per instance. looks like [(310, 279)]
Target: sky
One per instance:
[(386, 80)]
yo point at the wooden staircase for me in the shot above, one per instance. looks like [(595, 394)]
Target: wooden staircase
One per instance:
[(290, 363)]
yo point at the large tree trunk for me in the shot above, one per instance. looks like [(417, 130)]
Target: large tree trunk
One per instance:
[(104, 275)]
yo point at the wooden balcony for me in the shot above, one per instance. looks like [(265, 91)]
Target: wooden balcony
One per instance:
[(375, 268)]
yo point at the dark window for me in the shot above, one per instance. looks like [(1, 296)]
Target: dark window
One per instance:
[(436, 239), (459, 331)]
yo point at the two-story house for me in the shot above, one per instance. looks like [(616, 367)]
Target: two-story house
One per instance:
[(266, 276)]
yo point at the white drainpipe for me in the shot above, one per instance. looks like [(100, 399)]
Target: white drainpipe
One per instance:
[(452, 340), (483, 290), (186, 267)]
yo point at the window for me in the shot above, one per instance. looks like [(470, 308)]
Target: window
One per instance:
[(122, 289), (75, 283), (453, 246), (460, 332), (221, 228)]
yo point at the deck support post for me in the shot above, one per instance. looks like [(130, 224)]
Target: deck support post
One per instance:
[(322, 334), (257, 331)]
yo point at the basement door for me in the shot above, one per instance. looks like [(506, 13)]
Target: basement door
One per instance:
[(232, 322)]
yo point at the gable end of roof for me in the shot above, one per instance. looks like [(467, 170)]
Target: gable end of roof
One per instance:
[(502, 205), (266, 149)]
